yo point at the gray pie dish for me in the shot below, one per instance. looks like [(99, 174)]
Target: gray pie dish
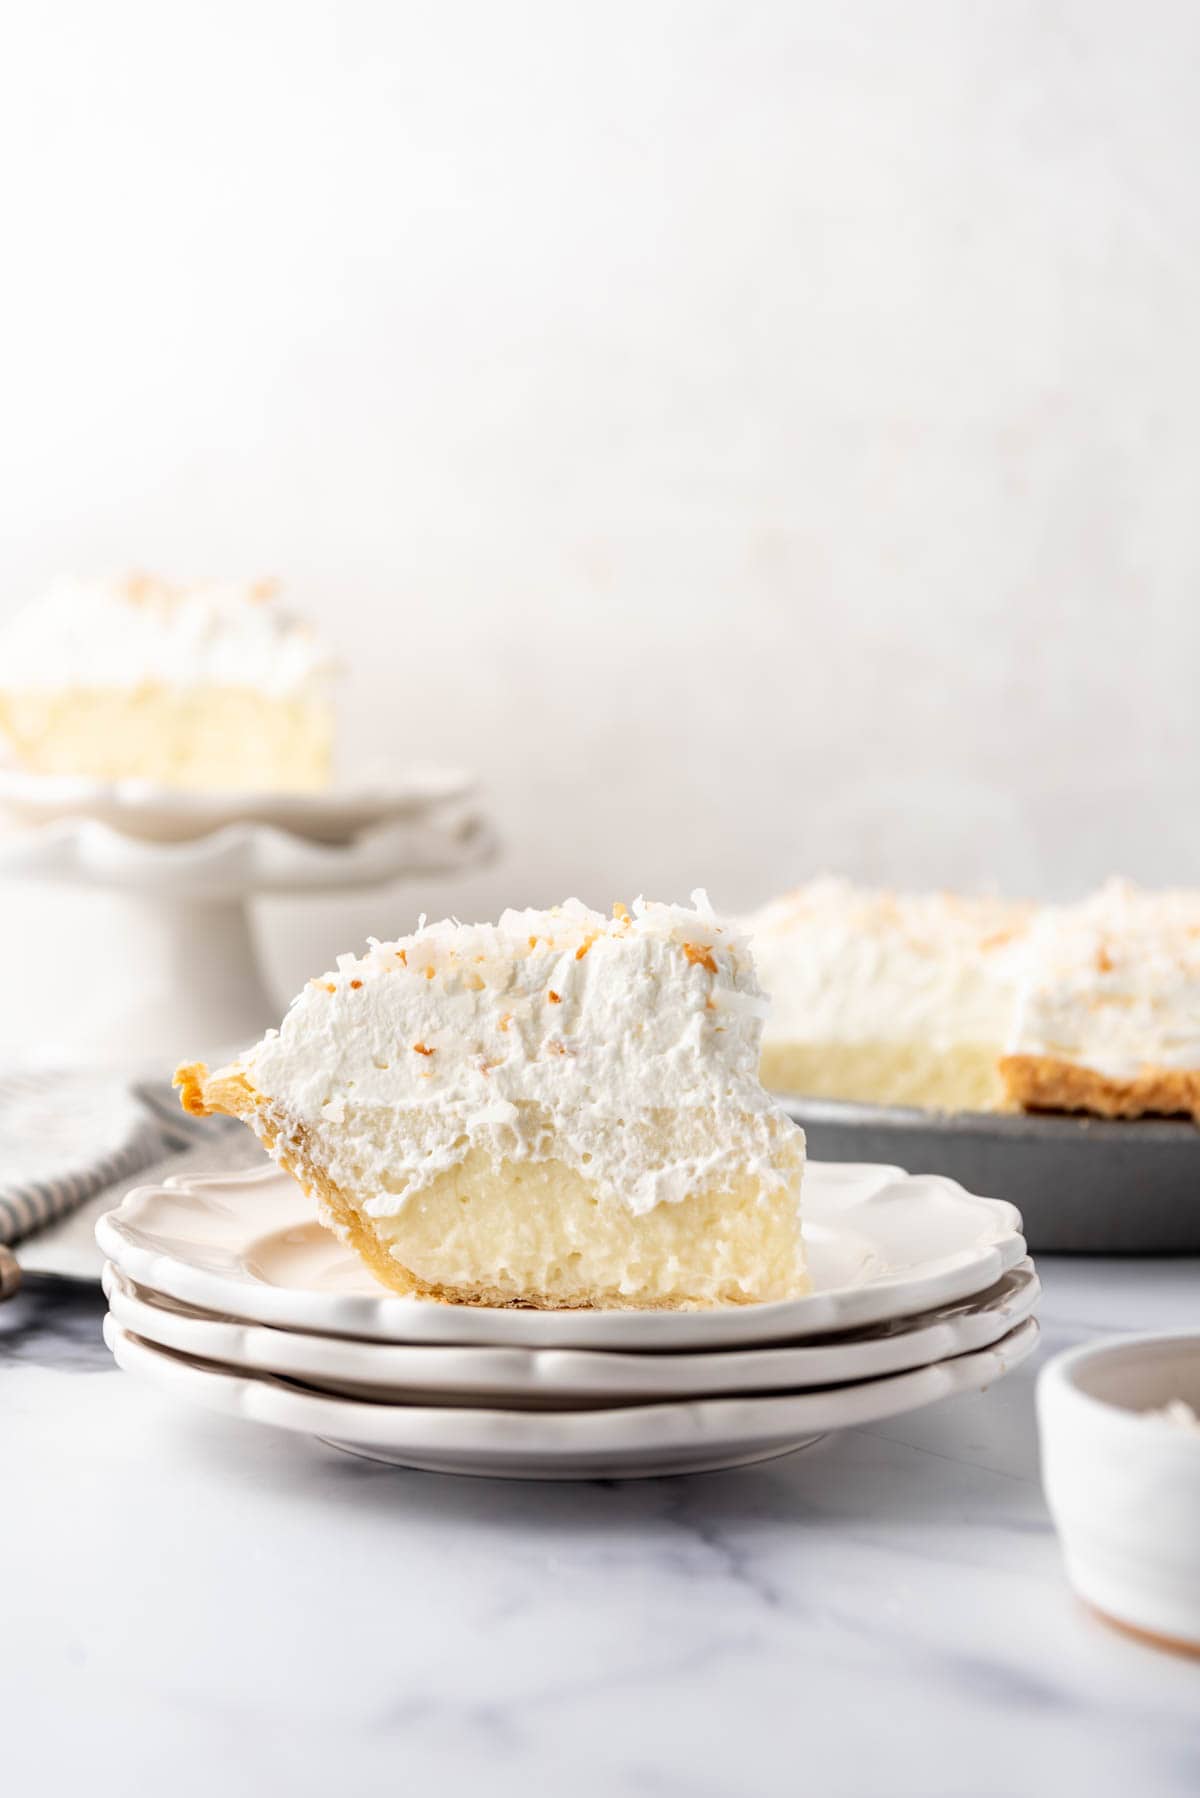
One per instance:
[(1082, 1185)]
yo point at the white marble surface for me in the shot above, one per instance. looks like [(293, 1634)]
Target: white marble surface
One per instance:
[(197, 1606)]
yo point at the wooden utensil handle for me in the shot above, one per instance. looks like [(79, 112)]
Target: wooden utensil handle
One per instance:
[(10, 1273)]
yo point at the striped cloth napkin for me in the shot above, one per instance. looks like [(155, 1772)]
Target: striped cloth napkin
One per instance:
[(65, 1137)]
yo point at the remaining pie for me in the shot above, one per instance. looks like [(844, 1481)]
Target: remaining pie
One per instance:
[(560, 1109), (1109, 1019), (200, 687), (890, 998)]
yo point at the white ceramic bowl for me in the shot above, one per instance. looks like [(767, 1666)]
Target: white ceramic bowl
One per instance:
[(1123, 1487)]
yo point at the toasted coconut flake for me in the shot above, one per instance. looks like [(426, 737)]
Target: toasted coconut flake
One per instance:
[(700, 955)]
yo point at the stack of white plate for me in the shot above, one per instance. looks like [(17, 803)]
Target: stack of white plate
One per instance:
[(226, 1292)]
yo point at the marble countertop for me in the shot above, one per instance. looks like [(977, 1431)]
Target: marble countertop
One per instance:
[(207, 1607)]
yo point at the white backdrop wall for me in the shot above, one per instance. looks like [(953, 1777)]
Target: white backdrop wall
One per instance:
[(758, 436)]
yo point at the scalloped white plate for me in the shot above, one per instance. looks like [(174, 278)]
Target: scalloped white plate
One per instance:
[(881, 1244), (247, 857), (575, 1378), (634, 1442), (140, 808)]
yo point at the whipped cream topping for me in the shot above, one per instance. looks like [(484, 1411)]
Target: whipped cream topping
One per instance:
[(626, 1047), (846, 964), (123, 633), (1114, 983)]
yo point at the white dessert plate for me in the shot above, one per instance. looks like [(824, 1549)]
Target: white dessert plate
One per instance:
[(140, 808), (881, 1244), (569, 1378), (633, 1442)]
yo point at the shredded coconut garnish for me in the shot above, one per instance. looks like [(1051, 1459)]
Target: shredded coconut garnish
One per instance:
[(1177, 1413)]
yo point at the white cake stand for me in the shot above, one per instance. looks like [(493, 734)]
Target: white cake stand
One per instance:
[(161, 957)]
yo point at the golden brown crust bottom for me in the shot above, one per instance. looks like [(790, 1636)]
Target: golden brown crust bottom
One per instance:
[(232, 1094), (1043, 1083)]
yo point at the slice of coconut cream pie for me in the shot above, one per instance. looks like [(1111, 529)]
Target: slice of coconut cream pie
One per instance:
[(560, 1109), (1109, 1019), (207, 686)]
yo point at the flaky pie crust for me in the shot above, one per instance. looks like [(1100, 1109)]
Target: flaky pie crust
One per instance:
[(1045, 1083)]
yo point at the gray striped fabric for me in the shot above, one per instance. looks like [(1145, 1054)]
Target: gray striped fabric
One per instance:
[(64, 1137)]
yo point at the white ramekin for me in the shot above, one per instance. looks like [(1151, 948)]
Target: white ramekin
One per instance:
[(1124, 1488)]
